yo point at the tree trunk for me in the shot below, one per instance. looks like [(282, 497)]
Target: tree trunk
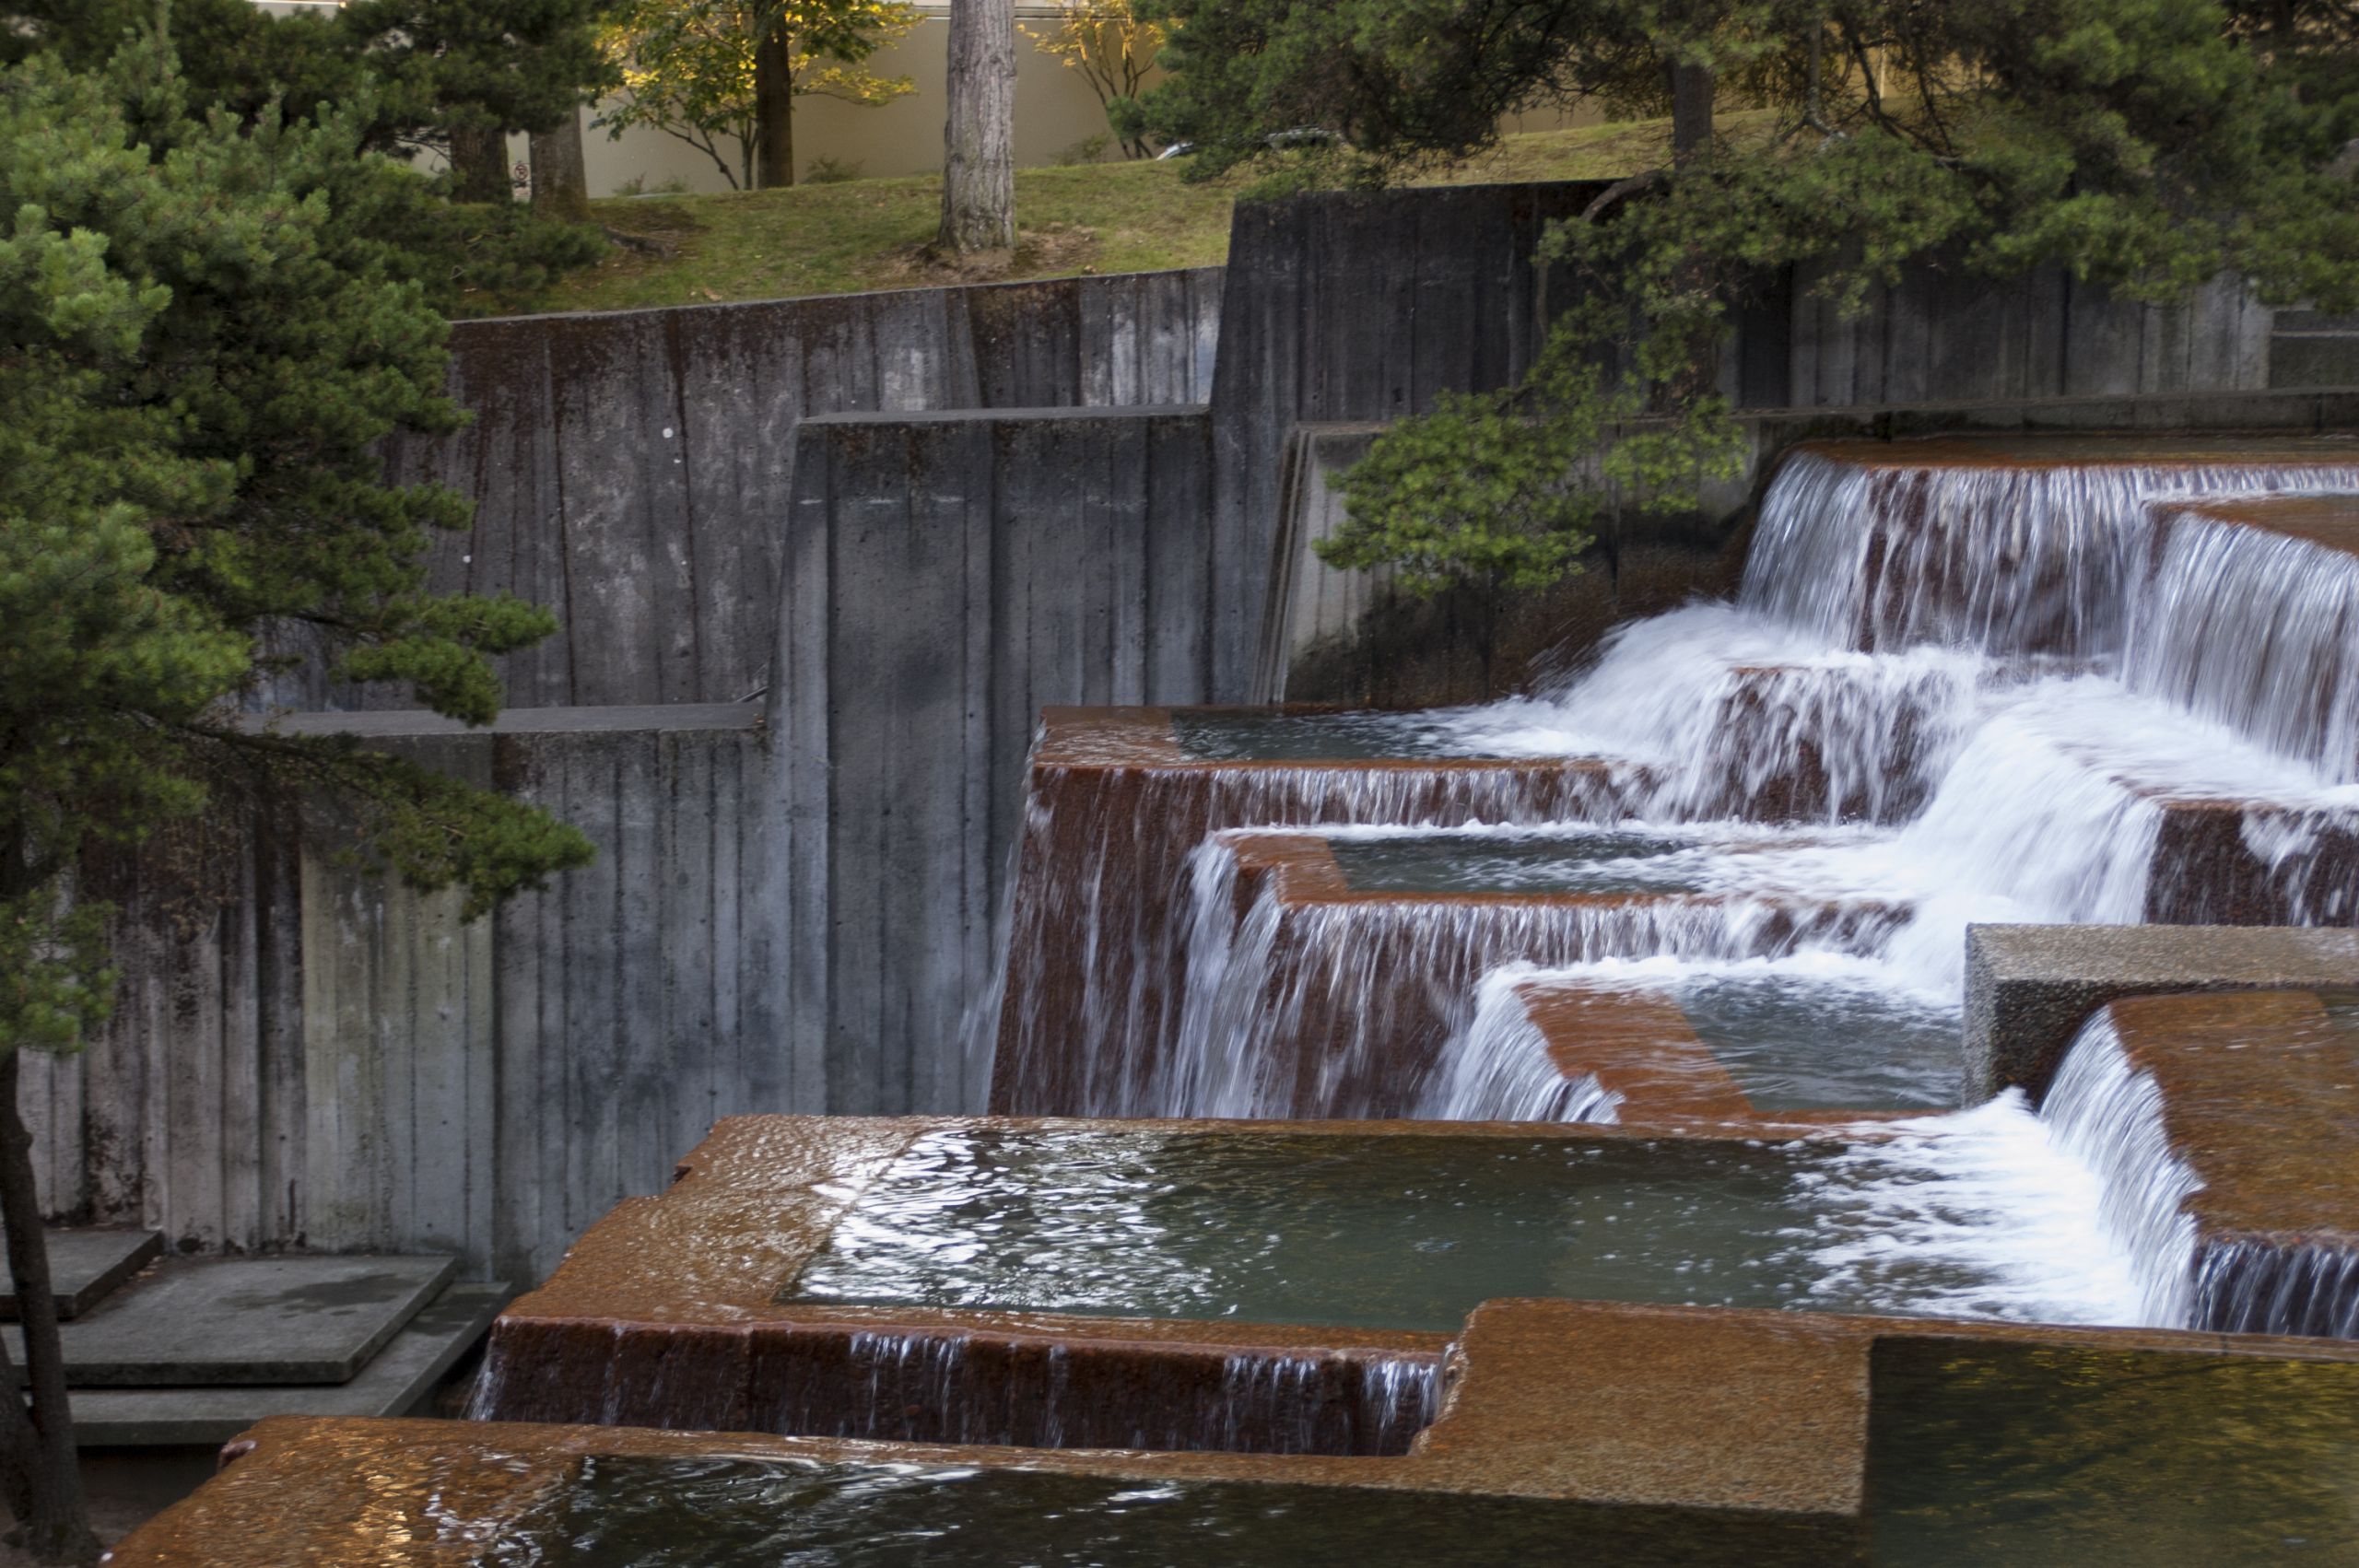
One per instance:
[(56, 1521), (774, 107), (479, 166), (979, 140), (39, 1478), (561, 177), (1691, 110)]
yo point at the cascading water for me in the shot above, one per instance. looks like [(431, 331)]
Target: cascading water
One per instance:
[(1499, 1069), (2108, 1114), (2047, 687), (938, 1385)]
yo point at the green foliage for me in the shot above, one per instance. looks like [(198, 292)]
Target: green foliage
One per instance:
[(211, 339), (688, 65), (1113, 48), (2143, 145), (830, 171), (396, 75)]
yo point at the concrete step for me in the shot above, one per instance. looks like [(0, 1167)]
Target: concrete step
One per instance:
[(403, 1375), (85, 1266), (247, 1320)]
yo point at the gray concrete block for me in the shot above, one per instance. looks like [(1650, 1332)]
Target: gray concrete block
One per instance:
[(407, 1370), (85, 1266), (247, 1320), (2314, 360), (2029, 988)]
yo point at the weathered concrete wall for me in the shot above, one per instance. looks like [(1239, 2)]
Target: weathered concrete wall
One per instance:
[(1357, 309), (630, 470), (324, 1058), (948, 577), (790, 910)]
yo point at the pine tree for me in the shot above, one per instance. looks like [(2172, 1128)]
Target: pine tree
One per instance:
[(207, 346)]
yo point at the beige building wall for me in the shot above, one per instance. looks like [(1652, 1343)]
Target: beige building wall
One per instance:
[(1055, 110)]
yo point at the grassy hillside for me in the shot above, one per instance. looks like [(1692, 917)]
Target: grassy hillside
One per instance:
[(1095, 217)]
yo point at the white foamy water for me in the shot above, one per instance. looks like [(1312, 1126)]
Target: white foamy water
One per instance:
[(1982, 1213), (1947, 693), (2107, 1113)]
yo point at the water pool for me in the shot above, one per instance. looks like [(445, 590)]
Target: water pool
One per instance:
[(1404, 1231)]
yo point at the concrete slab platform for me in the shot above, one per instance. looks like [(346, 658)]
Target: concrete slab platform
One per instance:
[(249, 1320), (87, 1265), (410, 1366), (2029, 988)]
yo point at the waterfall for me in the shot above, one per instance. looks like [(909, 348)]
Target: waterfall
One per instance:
[(2255, 1286), (2255, 630), (2108, 1112), (1342, 1008), (1098, 939), (1992, 685), (1977, 547), (1499, 1069), (953, 1387)]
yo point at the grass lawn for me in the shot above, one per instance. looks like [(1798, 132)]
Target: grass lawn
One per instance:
[(1104, 217)]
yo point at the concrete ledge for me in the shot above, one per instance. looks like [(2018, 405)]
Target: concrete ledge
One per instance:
[(654, 716), (87, 1265), (1007, 416), (2029, 988)]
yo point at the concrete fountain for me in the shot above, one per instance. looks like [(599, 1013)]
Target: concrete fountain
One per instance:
[(1585, 1113)]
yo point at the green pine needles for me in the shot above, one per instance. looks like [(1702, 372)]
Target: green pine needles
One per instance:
[(2148, 145), (207, 348)]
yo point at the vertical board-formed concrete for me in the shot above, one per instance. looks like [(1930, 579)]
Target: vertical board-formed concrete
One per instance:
[(948, 577), (630, 470), (1357, 308), (306, 1055)]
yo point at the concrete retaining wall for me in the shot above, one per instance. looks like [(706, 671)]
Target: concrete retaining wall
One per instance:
[(630, 470), (950, 576), (790, 911), (325, 1058)]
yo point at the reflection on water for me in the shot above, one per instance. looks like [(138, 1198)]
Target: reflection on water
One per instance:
[(1310, 737), (1798, 1042), (1586, 862), (2045, 1455), (1411, 1232), (2029, 1455), (633, 1513)]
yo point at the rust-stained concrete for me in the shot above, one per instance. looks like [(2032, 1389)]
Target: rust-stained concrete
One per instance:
[(2260, 1095), (1735, 1436)]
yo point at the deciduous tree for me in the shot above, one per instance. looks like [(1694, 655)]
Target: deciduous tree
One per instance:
[(723, 75), (1113, 48)]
